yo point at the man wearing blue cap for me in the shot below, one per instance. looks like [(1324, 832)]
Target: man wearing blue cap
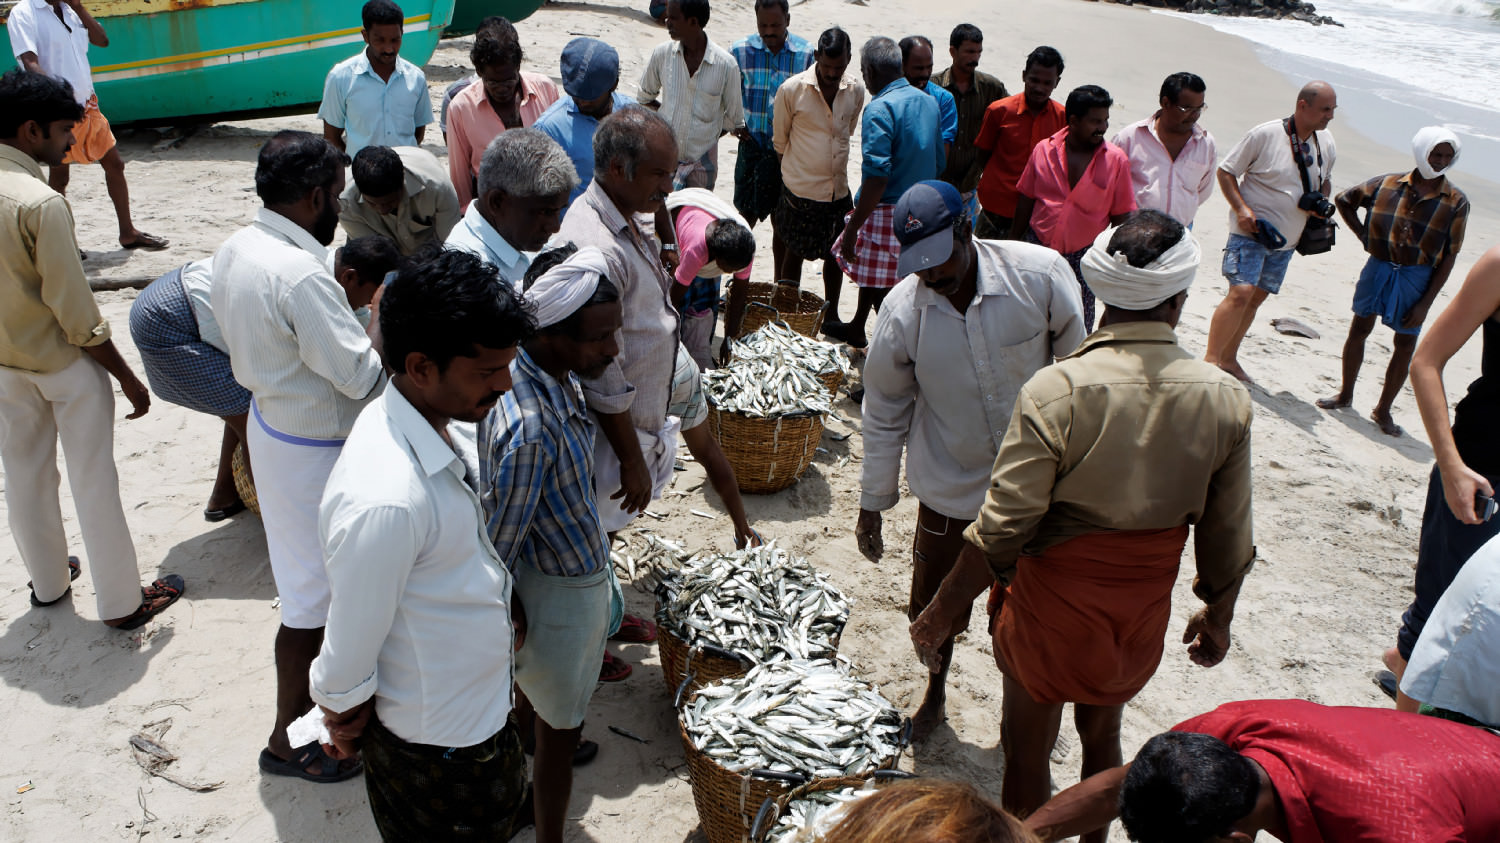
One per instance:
[(969, 323), (590, 75)]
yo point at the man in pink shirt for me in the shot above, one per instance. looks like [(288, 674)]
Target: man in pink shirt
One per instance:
[(712, 239), (1172, 158), (505, 97), (1074, 186)]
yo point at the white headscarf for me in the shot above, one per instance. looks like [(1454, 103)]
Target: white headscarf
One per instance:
[(1428, 139), (564, 288), (1115, 282)]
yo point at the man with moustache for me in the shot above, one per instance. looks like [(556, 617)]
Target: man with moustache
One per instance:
[(971, 322), (296, 344), (916, 66), (1075, 185), (1172, 158), (1011, 128), (973, 92), (590, 76), (376, 98)]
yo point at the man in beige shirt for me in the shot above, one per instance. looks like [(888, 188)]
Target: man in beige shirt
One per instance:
[(815, 114), (1111, 453), (55, 358), (402, 193)]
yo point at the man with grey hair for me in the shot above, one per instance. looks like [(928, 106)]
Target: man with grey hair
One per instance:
[(525, 179)]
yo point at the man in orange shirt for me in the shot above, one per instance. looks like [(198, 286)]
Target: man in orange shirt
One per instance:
[(1011, 127)]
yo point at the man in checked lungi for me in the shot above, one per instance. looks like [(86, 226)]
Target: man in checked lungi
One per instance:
[(901, 144)]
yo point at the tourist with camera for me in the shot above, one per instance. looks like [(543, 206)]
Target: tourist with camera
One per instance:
[(1277, 181)]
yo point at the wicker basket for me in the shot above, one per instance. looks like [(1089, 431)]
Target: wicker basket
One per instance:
[(771, 809), (832, 380), (801, 310), (242, 482), (707, 664), (767, 454)]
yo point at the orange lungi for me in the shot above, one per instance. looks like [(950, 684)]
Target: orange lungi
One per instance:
[(1084, 622), (92, 138)]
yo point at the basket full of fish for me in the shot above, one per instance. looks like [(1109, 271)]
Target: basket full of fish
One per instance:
[(717, 616), (806, 813), (802, 310), (781, 725), (777, 344)]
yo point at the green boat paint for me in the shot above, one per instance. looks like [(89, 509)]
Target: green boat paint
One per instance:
[(468, 13)]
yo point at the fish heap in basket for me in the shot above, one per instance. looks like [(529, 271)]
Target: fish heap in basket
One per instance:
[(761, 603), (807, 717), (807, 819), (776, 372)]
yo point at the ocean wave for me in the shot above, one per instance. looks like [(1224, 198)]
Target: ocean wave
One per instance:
[(1457, 8)]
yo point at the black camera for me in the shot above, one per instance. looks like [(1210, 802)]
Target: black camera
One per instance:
[(1317, 203)]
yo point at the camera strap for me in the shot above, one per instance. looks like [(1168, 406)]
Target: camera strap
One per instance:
[(1302, 163)]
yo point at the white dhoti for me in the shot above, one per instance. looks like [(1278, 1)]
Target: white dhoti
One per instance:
[(660, 451)]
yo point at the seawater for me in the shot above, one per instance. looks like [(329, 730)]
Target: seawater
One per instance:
[(1398, 65)]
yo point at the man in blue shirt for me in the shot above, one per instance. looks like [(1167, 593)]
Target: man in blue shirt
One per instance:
[(916, 66), (376, 98), (766, 59), (590, 75), (901, 145)]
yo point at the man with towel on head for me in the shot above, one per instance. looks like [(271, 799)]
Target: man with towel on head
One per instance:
[(1111, 453), (537, 486), (1413, 228)]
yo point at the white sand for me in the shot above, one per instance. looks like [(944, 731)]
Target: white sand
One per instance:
[(1337, 503)]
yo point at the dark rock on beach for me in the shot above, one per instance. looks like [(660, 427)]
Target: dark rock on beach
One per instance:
[(1290, 9)]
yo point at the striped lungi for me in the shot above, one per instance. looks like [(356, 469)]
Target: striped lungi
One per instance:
[(876, 248), (180, 366)]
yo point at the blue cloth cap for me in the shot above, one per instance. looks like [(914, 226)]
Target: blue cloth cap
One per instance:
[(590, 68), (923, 223), (1267, 235)]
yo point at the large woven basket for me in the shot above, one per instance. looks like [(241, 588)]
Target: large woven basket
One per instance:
[(707, 664), (242, 482), (801, 310), (767, 454), (772, 809)]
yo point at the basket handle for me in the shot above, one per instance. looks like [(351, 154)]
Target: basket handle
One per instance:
[(687, 679), (793, 779), (722, 653), (891, 775), (763, 819)]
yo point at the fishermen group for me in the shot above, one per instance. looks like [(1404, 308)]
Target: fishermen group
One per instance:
[(450, 416)]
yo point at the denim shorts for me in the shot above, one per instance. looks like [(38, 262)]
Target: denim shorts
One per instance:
[(1248, 262)]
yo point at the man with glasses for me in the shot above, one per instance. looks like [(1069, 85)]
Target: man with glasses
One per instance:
[(1171, 157)]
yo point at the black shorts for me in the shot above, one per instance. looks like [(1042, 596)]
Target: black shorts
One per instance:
[(808, 228)]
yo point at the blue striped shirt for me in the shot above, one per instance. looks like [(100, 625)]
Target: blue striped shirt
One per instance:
[(536, 470), (761, 73)]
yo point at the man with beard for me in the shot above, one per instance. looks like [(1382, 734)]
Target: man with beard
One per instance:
[(295, 343), (952, 346), (1075, 185), (590, 76), (1011, 128), (1172, 158), (916, 66), (973, 92), (376, 98)]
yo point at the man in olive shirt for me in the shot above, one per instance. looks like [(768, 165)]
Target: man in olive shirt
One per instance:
[(973, 91), (1111, 453), (402, 193), (55, 352)]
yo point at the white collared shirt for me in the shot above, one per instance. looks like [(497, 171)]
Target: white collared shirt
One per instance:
[(699, 106), (1174, 186), (420, 613), (943, 383), (475, 235), (293, 339), (62, 46)]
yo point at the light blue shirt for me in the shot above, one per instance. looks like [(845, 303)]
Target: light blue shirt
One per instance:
[(1455, 664), (475, 235), (901, 140), (947, 110), (372, 111), (574, 132)]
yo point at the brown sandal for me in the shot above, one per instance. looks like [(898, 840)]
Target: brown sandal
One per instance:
[(169, 588)]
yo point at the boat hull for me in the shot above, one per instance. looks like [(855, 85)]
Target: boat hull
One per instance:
[(468, 13)]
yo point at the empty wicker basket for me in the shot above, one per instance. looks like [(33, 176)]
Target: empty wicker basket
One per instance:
[(801, 310)]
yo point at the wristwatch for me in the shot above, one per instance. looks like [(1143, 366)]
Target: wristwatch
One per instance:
[(669, 247)]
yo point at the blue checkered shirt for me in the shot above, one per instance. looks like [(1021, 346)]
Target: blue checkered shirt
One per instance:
[(761, 73), (536, 465)]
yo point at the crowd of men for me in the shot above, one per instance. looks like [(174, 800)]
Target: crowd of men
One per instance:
[(448, 418)]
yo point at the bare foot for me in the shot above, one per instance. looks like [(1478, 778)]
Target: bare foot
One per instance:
[(1337, 402), (1235, 369), (1394, 663), (1387, 424), (927, 718)]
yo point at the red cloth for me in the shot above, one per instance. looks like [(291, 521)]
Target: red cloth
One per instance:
[(1372, 775), (876, 249), (1008, 132), (1084, 622), (1068, 217)]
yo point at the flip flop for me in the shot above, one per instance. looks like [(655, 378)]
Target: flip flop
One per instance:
[(634, 630), (171, 586), (149, 242), (216, 515), (302, 756), (74, 569), (1386, 682), (614, 669)]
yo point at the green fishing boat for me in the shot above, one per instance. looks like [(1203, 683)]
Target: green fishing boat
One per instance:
[(175, 61), (468, 13)]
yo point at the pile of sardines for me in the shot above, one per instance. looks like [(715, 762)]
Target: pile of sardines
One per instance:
[(807, 819), (774, 372), (761, 603), (805, 717)]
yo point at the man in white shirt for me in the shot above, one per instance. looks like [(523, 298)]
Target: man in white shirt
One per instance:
[(402, 193), (1172, 158), (376, 98), (525, 179), (53, 37), (416, 669), (296, 344), (695, 84), (969, 324)]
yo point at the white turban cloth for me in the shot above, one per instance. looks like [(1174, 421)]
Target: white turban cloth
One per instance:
[(1115, 282), (1428, 139), (564, 288)]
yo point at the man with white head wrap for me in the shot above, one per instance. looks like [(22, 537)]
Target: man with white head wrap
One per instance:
[(537, 487), (1111, 453), (1413, 229)]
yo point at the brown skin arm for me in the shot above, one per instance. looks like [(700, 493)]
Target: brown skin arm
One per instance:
[(1082, 808), (97, 36), (30, 63), (1207, 633), (1022, 220), (1230, 187), (970, 576), (421, 133), (106, 355), (346, 728), (1418, 313), (705, 449), (635, 480), (334, 135), (870, 192), (1349, 213)]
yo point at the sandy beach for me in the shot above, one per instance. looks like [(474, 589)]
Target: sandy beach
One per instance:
[(1338, 503)]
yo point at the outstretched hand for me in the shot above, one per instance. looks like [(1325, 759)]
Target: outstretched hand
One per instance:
[(867, 535), (928, 632), (1207, 640)]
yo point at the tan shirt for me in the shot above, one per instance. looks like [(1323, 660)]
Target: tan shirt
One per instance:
[(813, 139), (428, 209), (1129, 432), (47, 311)]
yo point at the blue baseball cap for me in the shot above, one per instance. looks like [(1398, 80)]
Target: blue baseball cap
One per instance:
[(923, 221), (590, 68)]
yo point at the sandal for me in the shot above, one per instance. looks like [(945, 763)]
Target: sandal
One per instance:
[(634, 630), (614, 669), (214, 516), (302, 756), (167, 588), (74, 569), (149, 242)]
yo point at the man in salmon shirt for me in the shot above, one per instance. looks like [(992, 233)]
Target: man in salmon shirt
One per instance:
[(1075, 185), (1011, 127)]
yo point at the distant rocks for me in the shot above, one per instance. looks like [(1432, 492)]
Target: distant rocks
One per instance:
[(1293, 9)]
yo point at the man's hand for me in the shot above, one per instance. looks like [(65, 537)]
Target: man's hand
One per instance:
[(743, 133), (929, 631), (745, 536), (1416, 316), (670, 259), (867, 535), (136, 393), (1245, 218), (1207, 639), (346, 728), (846, 246), (635, 487), (1460, 487)]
